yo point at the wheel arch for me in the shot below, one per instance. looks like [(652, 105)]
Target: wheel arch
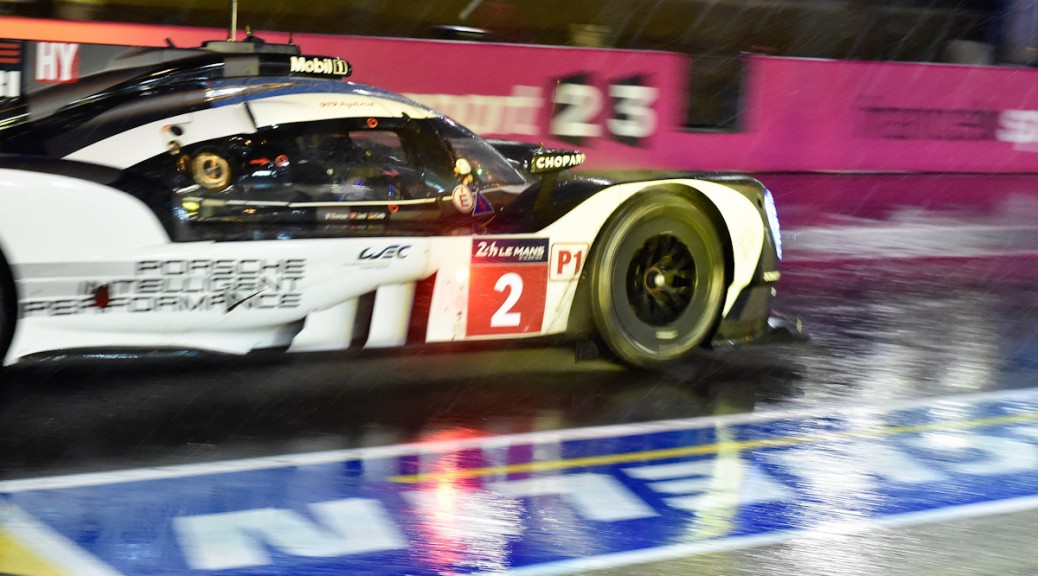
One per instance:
[(581, 323), (703, 202)]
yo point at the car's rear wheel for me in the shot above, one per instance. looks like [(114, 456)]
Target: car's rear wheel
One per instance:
[(657, 279), (8, 307)]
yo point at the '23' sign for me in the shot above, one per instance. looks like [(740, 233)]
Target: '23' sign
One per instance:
[(624, 110)]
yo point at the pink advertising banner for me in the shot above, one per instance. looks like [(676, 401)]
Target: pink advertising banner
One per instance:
[(625, 108), (822, 115), (613, 104)]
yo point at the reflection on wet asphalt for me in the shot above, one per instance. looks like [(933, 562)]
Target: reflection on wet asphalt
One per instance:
[(93, 419), (910, 286)]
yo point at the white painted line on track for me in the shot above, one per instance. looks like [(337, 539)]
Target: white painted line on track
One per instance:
[(49, 545), (490, 442)]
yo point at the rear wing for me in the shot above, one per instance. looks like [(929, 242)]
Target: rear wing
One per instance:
[(40, 78)]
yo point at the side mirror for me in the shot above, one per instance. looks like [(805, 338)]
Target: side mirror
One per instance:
[(551, 163)]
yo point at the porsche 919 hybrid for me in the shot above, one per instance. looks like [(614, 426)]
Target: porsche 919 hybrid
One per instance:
[(243, 196)]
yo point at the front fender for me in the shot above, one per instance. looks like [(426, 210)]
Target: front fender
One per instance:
[(743, 225)]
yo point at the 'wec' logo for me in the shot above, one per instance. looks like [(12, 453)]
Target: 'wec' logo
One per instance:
[(387, 253)]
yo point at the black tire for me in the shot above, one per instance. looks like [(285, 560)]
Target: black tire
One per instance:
[(8, 307), (657, 279)]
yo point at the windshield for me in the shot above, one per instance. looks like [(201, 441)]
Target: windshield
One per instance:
[(489, 167)]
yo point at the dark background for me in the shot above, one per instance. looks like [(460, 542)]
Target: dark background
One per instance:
[(713, 32)]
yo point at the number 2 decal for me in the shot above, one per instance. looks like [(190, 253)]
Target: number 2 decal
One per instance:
[(508, 284), (504, 316)]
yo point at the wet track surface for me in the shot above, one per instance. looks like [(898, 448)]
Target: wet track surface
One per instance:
[(914, 289)]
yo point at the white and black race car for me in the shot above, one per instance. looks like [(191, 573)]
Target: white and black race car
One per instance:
[(243, 196)]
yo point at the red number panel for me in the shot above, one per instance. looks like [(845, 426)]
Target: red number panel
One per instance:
[(508, 281)]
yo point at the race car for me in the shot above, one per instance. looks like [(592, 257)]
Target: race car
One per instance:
[(243, 196)]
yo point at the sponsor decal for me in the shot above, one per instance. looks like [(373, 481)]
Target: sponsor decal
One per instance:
[(516, 113), (340, 215), (581, 107), (381, 256), (463, 199), (57, 62), (549, 161), (483, 206), (514, 251), (894, 123), (1017, 127), (10, 69), (319, 66), (189, 285), (507, 286), (10, 83), (347, 104), (395, 251)]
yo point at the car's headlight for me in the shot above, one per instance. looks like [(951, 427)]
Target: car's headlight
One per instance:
[(773, 221)]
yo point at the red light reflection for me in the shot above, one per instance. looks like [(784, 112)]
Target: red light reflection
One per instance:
[(461, 525)]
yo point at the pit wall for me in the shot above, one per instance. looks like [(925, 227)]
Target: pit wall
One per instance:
[(625, 108)]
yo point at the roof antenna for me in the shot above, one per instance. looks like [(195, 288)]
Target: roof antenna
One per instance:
[(468, 10), (232, 32)]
